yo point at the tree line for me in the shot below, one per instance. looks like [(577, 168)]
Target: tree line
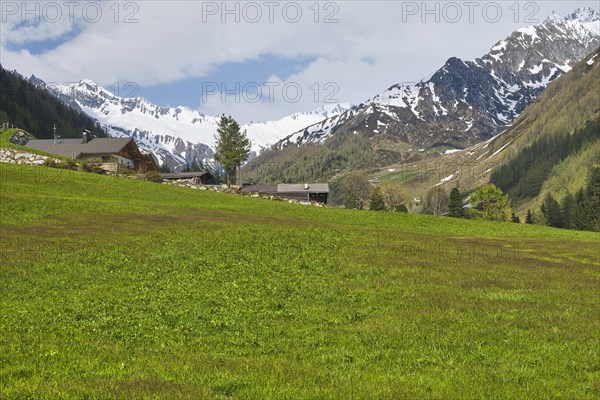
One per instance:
[(525, 175), (37, 111), (355, 190), (579, 211)]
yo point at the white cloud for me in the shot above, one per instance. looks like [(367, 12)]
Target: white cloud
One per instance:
[(374, 45)]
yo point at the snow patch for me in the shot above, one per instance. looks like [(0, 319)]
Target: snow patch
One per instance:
[(446, 179), (530, 31), (452, 151)]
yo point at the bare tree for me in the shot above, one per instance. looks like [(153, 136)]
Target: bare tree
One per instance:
[(395, 195), (436, 201), (354, 189)]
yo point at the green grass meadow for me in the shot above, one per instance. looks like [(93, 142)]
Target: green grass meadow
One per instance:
[(112, 288)]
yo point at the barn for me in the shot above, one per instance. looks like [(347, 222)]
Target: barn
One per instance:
[(306, 192)]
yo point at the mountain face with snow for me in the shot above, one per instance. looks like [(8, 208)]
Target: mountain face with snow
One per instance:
[(176, 136), (465, 102)]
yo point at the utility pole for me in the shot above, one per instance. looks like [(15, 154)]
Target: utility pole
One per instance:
[(55, 135)]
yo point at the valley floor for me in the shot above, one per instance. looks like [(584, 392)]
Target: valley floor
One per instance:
[(113, 288)]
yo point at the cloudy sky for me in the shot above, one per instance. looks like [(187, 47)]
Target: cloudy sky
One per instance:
[(254, 60)]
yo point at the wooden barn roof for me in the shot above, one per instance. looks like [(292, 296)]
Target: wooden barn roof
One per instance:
[(69, 147)]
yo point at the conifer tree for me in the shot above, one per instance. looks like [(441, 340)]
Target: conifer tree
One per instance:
[(529, 218), (594, 197), (232, 147), (455, 206), (566, 211), (590, 205), (579, 218), (551, 210)]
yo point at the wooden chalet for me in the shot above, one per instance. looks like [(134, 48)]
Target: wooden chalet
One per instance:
[(111, 153)]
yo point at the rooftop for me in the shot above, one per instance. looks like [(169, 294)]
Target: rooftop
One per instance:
[(289, 188), (71, 147)]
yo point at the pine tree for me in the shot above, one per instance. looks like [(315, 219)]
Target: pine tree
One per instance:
[(377, 203), (529, 218), (232, 147), (566, 211), (593, 197), (551, 210), (515, 218), (579, 218), (455, 206)]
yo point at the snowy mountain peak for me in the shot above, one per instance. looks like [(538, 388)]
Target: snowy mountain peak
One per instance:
[(587, 18), (466, 101), (582, 15), (176, 135)]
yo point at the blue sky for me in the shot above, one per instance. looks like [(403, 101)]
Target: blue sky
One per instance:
[(348, 51), (189, 91)]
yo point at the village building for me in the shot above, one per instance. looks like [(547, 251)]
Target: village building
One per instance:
[(317, 192), (195, 178), (112, 154)]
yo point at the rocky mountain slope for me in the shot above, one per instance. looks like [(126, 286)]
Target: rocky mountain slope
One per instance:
[(550, 148), (466, 102)]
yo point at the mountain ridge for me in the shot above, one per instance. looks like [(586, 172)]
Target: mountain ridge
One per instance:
[(549, 149), (512, 75), (176, 135), (463, 103)]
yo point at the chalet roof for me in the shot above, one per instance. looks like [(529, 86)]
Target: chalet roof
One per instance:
[(262, 188), (184, 175), (308, 188), (70, 147), (289, 188)]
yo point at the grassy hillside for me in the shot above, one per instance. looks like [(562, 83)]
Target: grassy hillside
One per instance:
[(549, 149), (127, 289)]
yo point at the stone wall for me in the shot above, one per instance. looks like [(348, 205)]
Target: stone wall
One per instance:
[(238, 191), (14, 156)]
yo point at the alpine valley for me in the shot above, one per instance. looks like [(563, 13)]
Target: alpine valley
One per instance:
[(463, 103)]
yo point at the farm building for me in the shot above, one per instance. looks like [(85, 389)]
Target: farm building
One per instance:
[(196, 178), (111, 153), (308, 191)]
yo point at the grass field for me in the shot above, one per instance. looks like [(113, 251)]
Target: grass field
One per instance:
[(111, 288)]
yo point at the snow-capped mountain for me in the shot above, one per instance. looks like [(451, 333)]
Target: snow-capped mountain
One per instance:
[(176, 136), (465, 102)]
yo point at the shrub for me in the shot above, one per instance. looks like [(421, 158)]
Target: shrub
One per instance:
[(94, 168), (402, 208), (153, 176), (51, 163)]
